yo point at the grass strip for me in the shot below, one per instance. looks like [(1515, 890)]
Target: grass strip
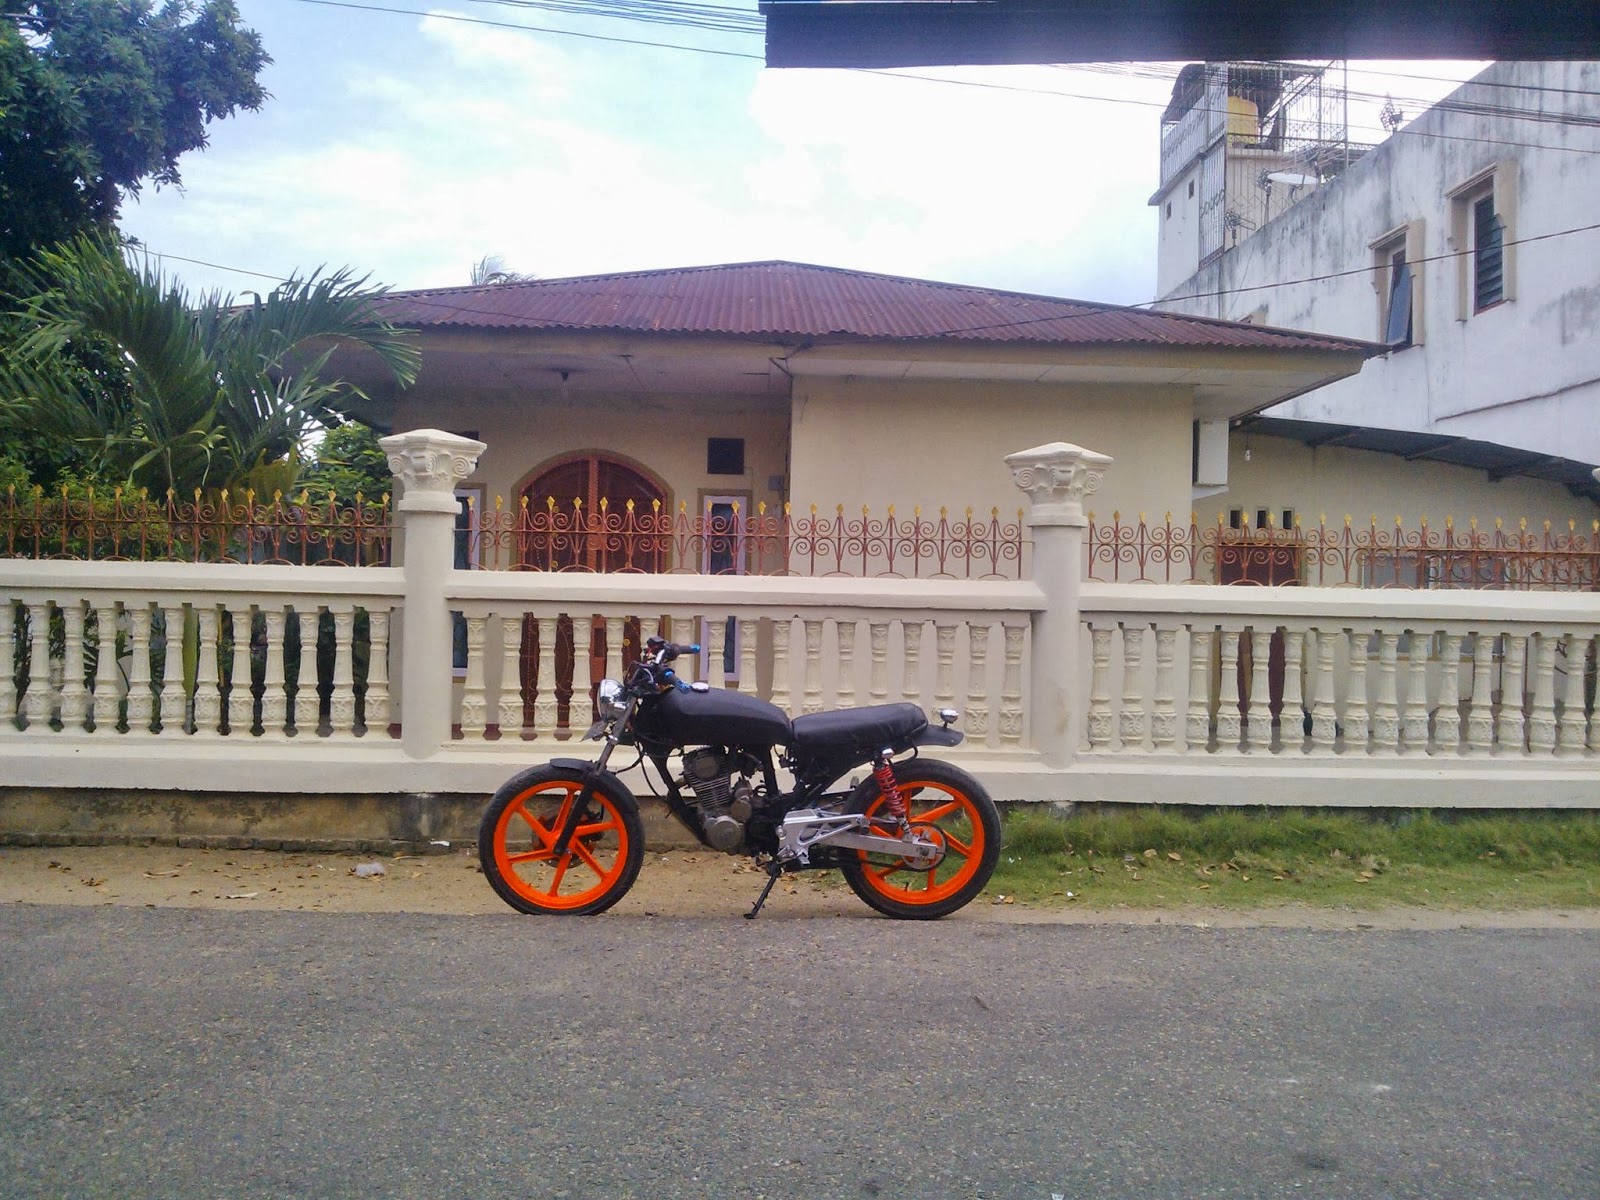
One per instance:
[(1249, 858)]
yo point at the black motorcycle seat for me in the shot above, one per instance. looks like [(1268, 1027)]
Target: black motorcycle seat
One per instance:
[(880, 726)]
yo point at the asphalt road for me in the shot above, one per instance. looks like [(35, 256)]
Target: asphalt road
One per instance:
[(178, 1053)]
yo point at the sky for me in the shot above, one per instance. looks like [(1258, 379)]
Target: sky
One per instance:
[(409, 146)]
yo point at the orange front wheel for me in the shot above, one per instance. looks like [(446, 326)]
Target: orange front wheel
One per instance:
[(945, 805), (519, 832)]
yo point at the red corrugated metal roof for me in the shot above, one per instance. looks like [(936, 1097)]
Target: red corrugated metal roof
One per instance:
[(784, 300)]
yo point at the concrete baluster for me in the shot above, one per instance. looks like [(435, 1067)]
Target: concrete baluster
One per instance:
[(813, 695), (1229, 722), (878, 678), (8, 687), (1356, 729), (977, 707), (1197, 714), (1258, 724), (1011, 716), (1099, 714), (782, 627), (376, 712), (845, 629), (38, 704), (241, 697), (74, 693), (1480, 710), (1132, 719), (107, 677), (1511, 725), (141, 700), (207, 693), (274, 697), (1386, 703), (474, 699), (307, 700), (1414, 717), (911, 665), (1292, 716), (1447, 717), (1542, 718), (546, 708), (1570, 736), (508, 708)]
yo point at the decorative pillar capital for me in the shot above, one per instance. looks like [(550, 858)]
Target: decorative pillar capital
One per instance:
[(429, 463), (1056, 478)]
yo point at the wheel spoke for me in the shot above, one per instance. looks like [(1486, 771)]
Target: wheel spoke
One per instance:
[(539, 830), (581, 849), (561, 871), (937, 813), (542, 854), (954, 843)]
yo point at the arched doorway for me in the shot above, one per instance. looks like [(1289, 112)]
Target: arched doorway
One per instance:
[(568, 533)]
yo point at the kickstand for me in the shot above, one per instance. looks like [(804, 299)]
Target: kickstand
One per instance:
[(773, 871)]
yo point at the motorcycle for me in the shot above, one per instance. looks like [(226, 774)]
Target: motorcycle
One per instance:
[(915, 838)]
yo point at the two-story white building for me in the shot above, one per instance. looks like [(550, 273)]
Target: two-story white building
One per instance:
[(1469, 242)]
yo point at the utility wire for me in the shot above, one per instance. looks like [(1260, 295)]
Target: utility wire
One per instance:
[(983, 84), (1098, 308)]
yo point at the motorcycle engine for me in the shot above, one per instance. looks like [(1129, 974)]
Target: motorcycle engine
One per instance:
[(724, 803)]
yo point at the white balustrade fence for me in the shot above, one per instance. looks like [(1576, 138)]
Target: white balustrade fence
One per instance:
[(422, 677), (804, 644), (107, 652)]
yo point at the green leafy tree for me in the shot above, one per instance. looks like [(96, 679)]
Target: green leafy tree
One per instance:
[(348, 462), (98, 96), (118, 366)]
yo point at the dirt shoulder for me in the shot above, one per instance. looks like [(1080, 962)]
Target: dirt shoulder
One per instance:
[(675, 883)]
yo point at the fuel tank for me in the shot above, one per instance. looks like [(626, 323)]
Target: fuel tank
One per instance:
[(717, 718)]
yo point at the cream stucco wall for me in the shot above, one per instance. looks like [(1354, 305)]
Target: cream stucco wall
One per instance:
[(877, 442), (666, 435), (1282, 473)]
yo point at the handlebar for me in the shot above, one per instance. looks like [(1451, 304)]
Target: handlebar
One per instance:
[(665, 651)]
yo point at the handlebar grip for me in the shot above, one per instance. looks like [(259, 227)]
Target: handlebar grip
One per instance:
[(672, 650)]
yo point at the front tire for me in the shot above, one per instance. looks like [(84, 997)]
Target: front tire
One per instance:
[(946, 804), (520, 829)]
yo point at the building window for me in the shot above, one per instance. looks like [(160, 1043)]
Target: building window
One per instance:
[(1483, 225), (724, 456), (1395, 278), (1488, 254)]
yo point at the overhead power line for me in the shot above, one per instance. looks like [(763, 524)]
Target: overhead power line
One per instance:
[(1098, 306), (975, 83)]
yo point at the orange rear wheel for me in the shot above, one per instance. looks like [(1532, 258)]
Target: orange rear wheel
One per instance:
[(517, 839), (947, 806)]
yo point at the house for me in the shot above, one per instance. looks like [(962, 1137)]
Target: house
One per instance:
[(777, 382), (1466, 243), (772, 384)]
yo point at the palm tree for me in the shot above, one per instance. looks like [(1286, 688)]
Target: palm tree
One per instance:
[(491, 270), (164, 392)]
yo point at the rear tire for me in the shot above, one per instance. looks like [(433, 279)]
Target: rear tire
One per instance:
[(520, 828), (947, 804)]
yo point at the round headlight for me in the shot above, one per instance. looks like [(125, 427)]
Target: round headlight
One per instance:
[(610, 699)]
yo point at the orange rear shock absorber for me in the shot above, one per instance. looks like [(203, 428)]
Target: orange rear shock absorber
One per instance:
[(883, 776)]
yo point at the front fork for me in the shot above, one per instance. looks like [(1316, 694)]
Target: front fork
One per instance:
[(580, 802)]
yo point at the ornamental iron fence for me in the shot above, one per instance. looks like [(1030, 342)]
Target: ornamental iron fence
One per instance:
[(733, 541), (81, 524), (1347, 555)]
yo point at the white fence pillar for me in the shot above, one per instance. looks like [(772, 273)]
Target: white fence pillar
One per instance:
[(428, 463), (1056, 478)]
